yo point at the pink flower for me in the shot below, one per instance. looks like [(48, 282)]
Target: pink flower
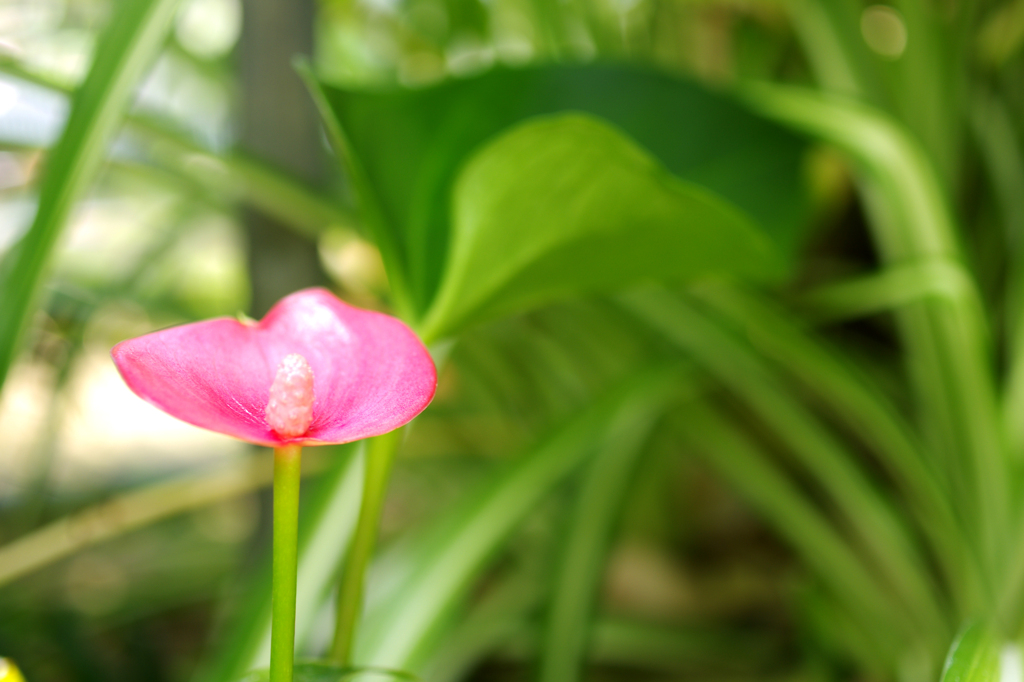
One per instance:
[(338, 373)]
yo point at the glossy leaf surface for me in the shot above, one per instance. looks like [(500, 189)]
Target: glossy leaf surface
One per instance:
[(566, 204), (406, 148)]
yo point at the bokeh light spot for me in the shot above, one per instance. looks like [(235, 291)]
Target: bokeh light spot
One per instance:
[(884, 31)]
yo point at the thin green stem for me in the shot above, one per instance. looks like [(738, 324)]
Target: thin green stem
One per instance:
[(379, 456), (287, 473)]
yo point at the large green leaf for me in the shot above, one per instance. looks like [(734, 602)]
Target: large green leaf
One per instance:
[(125, 50), (566, 204), (405, 148)]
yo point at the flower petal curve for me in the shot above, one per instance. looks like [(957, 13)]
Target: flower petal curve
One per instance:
[(371, 373)]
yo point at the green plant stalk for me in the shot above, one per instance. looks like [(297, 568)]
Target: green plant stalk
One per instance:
[(287, 475), (380, 455), (329, 509)]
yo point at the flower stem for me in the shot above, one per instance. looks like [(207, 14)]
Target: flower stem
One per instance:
[(287, 472), (379, 456)]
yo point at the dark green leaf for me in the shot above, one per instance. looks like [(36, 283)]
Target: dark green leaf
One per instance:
[(406, 148)]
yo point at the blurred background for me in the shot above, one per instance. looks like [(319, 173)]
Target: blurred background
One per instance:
[(220, 195)]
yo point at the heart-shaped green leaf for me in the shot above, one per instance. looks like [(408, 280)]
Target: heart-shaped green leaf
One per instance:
[(566, 204), (405, 149)]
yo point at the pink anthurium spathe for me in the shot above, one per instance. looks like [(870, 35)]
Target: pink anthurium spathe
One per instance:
[(313, 371)]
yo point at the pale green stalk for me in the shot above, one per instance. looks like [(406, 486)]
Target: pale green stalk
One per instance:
[(287, 474), (377, 467)]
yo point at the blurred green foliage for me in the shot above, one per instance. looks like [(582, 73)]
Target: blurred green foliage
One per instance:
[(725, 296)]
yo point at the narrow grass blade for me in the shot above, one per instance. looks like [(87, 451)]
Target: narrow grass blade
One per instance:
[(786, 508), (706, 651), (1000, 148), (124, 513), (850, 398), (947, 341), (233, 176), (916, 86), (125, 50), (447, 561), (877, 526), (835, 47), (587, 535), (500, 617), (239, 177), (888, 290)]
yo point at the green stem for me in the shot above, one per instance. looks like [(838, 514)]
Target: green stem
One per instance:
[(287, 472), (379, 456)]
